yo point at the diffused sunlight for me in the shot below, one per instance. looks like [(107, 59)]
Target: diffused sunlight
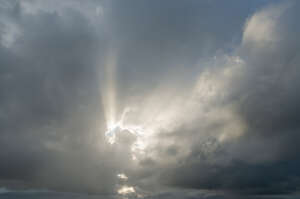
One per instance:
[(162, 109), (126, 190), (108, 90)]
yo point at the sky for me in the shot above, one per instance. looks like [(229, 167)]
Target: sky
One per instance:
[(150, 99)]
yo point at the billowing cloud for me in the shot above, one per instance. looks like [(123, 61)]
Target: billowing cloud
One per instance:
[(261, 92), (136, 97)]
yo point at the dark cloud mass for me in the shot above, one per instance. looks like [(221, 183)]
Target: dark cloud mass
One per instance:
[(205, 92)]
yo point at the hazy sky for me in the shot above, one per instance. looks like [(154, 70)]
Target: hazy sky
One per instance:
[(150, 99)]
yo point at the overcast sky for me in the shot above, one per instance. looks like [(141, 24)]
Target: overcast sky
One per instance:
[(150, 99)]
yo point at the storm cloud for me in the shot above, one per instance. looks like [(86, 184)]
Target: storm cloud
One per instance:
[(199, 96)]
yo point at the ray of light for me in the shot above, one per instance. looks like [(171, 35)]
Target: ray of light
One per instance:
[(108, 89)]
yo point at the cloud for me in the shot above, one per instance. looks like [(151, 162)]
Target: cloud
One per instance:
[(190, 194), (211, 85), (261, 93)]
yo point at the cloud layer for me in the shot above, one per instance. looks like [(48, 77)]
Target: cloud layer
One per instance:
[(210, 87)]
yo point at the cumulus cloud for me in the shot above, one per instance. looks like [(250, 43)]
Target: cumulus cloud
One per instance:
[(205, 93), (262, 94)]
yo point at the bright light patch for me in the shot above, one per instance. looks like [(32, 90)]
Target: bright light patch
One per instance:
[(122, 176), (108, 91), (111, 132), (126, 190), (115, 128), (109, 100)]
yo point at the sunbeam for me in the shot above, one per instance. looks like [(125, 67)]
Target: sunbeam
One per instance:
[(108, 89)]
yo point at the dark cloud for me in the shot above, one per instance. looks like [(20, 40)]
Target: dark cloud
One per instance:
[(189, 194), (159, 42), (213, 83), (264, 160), (49, 82)]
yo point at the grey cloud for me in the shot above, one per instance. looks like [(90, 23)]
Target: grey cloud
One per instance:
[(187, 194), (162, 42), (224, 72), (264, 159), (49, 81)]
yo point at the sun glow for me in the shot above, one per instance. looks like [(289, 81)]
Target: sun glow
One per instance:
[(122, 176), (126, 190), (108, 89), (115, 126), (164, 110), (114, 129)]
